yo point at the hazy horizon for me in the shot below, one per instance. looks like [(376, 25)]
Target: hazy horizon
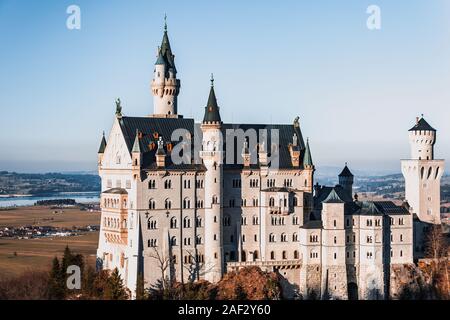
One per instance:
[(356, 91)]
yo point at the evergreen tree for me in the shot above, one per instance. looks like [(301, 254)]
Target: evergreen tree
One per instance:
[(115, 289), (56, 284)]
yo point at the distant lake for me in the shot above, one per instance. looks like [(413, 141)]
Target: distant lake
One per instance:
[(80, 197)]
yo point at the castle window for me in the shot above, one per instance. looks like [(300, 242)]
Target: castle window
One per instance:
[(236, 183), (167, 204), (168, 184), (151, 224), (294, 237), (243, 238), (392, 253), (295, 220), (215, 237), (255, 202), (272, 255), (151, 204), (369, 239), (199, 184), (400, 221), (186, 222), (214, 200), (314, 238), (283, 237), (255, 255), (198, 240), (271, 202), (295, 202), (401, 238), (335, 256), (369, 255), (187, 241), (186, 203), (401, 253), (284, 255), (173, 223), (335, 240), (334, 223), (255, 237), (348, 254), (254, 183), (173, 241), (271, 237), (152, 243), (295, 254), (198, 222), (226, 221), (255, 220)]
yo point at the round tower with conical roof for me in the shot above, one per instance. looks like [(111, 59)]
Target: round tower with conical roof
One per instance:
[(165, 86), (212, 156)]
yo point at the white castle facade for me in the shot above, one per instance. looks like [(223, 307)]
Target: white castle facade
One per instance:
[(207, 215)]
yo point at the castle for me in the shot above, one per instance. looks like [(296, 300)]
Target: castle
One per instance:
[(189, 201)]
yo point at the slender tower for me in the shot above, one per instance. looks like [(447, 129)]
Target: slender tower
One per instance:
[(423, 174), (346, 181), (212, 156), (165, 85)]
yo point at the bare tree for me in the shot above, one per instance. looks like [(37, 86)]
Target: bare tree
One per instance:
[(195, 267), (436, 249), (164, 263)]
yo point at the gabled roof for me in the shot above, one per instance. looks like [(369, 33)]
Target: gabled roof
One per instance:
[(422, 125), (346, 172), (102, 147)]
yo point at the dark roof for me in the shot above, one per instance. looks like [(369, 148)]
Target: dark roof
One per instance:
[(160, 59), (346, 172), (151, 129), (212, 113), (166, 52), (324, 192), (422, 125), (116, 191), (102, 147), (390, 208), (333, 197)]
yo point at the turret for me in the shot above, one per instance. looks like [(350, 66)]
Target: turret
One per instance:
[(165, 86), (101, 150), (160, 154), (346, 181), (212, 156), (422, 138), (136, 155)]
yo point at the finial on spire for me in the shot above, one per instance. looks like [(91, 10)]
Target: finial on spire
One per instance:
[(346, 163), (212, 80), (165, 22), (422, 115), (103, 133)]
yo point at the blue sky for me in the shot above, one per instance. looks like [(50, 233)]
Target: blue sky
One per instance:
[(357, 91)]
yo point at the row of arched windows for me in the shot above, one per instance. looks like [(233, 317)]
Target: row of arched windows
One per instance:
[(114, 203), (283, 237), (114, 223), (284, 255)]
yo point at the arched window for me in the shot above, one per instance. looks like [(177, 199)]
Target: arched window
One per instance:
[(255, 255), (430, 170), (255, 220), (167, 204), (151, 224), (186, 222), (214, 200), (186, 203), (422, 172), (173, 241), (271, 202), (151, 204), (295, 237), (295, 201), (284, 255), (173, 223), (226, 221), (295, 254), (283, 237), (271, 237), (272, 255)]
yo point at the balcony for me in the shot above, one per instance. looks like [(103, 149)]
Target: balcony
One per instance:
[(284, 264)]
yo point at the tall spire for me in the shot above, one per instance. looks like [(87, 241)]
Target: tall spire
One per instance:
[(166, 51), (212, 109), (137, 143), (307, 159), (102, 144), (165, 22)]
